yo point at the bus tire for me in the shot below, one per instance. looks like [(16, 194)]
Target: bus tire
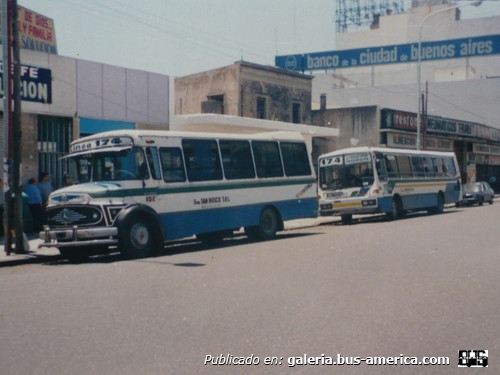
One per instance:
[(269, 223), (346, 219), (396, 209), (439, 207), (440, 203), (138, 237)]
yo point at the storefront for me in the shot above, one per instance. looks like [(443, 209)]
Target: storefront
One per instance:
[(477, 146)]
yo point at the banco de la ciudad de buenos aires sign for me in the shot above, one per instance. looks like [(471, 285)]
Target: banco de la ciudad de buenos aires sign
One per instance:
[(393, 54)]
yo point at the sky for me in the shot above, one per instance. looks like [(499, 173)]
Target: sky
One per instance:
[(182, 37)]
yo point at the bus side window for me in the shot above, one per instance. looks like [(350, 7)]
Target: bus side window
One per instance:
[(380, 166), (153, 162), (450, 166), (172, 164), (404, 166), (295, 159), (267, 159), (429, 168), (392, 166), (237, 159), (439, 166), (418, 165), (202, 159)]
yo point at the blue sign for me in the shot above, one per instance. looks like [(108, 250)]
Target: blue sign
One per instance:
[(36, 84), (395, 54)]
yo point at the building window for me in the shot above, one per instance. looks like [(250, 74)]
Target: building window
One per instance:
[(296, 113), (214, 104), (261, 107), (54, 137)]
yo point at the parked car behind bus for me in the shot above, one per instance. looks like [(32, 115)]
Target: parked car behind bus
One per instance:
[(477, 192)]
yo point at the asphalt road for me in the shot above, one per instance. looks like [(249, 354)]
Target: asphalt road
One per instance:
[(423, 286)]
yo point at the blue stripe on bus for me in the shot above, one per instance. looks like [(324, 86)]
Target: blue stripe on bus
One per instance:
[(417, 201), (184, 224)]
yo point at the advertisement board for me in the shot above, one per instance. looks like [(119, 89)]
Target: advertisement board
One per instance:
[(393, 54), (36, 84), (36, 32)]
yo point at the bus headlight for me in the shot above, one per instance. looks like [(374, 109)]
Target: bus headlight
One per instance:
[(369, 202)]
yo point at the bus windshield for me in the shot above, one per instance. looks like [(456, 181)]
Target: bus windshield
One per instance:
[(127, 164), (346, 171)]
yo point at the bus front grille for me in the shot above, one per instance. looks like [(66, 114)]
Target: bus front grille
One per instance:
[(69, 216)]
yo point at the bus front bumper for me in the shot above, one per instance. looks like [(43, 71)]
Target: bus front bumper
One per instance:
[(75, 237), (354, 206)]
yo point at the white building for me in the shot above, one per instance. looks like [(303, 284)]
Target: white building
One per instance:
[(368, 103)]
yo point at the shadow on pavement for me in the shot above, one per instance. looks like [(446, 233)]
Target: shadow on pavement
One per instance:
[(174, 248)]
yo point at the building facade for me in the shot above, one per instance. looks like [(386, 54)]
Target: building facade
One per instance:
[(66, 98), (376, 105), (246, 90)]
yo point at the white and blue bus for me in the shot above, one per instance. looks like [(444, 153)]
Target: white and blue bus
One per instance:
[(368, 180), (136, 189)]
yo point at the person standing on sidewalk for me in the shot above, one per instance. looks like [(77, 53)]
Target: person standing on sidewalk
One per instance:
[(45, 186), (2, 208), (35, 203)]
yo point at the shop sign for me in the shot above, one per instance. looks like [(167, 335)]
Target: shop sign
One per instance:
[(408, 121), (479, 148), (36, 84), (483, 159), (400, 140), (36, 32)]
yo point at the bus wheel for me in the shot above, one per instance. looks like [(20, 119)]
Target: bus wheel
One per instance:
[(269, 223), (396, 209), (137, 237), (440, 204), (346, 219), (439, 208)]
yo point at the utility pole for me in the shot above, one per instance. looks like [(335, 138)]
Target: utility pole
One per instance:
[(7, 123), (12, 110), (16, 132)]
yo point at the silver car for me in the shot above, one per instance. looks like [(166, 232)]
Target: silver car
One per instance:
[(477, 192)]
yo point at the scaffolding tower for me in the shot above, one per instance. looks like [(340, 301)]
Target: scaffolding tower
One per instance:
[(353, 15)]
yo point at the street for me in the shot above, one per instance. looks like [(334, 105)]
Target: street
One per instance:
[(422, 286)]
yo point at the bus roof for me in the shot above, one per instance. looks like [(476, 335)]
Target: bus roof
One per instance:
[(137, 134), (117, 140), (353, 150)]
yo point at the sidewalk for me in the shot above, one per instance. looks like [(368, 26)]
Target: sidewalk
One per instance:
[(45, 254), (34, 255)]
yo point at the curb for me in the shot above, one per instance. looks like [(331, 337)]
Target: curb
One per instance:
[(30, 258)]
